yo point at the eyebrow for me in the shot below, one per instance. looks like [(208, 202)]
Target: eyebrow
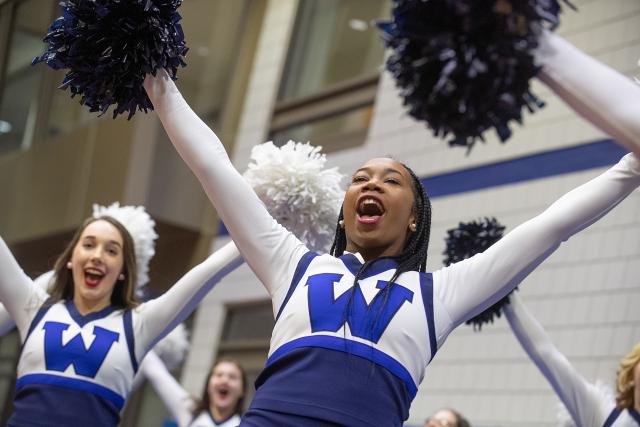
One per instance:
[(386, 170), (110, 241)]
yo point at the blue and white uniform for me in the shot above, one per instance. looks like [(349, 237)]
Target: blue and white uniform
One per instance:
[(77, 370), (361, 367), (179, 403), (586, 405), (205, 419)]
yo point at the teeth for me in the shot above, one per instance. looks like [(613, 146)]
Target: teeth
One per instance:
[(370, 206), (94, 272)]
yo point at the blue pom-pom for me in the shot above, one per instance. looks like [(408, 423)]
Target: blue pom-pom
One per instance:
[(464, 66), (468, 239), (109, 46)]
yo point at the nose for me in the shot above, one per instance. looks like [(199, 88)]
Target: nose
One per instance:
[(96, 255), (373, 184)]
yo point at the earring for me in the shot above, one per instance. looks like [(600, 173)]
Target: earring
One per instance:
[(413, 227), (121, 276), (341, 223), (69, 265)]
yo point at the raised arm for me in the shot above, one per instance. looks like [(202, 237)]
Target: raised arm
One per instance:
[(269, 249), (156, 318), (470, 286), (608, 99), (581, 398), (175, 398), (20, 296), (6, 321)]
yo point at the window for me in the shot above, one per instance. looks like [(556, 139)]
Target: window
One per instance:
[(246, 336), (20, 82), (331, 75), (9, 353)]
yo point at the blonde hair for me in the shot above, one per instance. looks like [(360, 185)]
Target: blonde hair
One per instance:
[(625, 387)]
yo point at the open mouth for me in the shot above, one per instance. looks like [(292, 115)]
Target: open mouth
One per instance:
[(370, 210), (223, 392), (93, 277)]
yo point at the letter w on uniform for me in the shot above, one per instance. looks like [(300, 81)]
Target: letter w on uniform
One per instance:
[(86, 362), (365, 321)]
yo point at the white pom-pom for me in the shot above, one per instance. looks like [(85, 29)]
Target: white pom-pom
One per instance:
[(141, 227), (173, 348), (607, 396), (298, 191)]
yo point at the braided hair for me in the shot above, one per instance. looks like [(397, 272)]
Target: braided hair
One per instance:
[(413, 256)]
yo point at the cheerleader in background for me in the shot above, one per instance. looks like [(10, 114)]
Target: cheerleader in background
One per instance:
[(447, 418), (586, 404), (140, 226), (82, 343), (222, 398)]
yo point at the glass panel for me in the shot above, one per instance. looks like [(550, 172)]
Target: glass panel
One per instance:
[(248, 322), (333, 133), (20, 91), (213, 30), (9, 351), (66, 113), (151, 409), (334, 42)]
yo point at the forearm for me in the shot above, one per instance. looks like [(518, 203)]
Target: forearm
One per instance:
[(18, 294), (175, 398), (159, 316), (264, 244), (577, 395), (472, 285), (606, 98)]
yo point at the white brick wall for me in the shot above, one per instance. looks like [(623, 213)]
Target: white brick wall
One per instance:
[(586, 294)]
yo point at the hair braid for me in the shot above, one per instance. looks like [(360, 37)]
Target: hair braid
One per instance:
[(414, 254)]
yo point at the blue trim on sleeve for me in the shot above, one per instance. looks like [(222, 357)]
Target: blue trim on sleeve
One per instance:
[(613, 416), (74, 384), (37, 318), (426, 284), (89, 317), (128, 332), (352, 347), (303, 264), (635, 415)]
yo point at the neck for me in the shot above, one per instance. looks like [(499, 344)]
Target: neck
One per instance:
[(636, 398), (89, 306), (369, 254), (220, 414)]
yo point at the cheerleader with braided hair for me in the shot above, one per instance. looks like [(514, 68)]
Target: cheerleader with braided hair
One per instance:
[(355, 329)]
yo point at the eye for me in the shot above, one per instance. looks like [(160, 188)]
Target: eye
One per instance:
[(393, 181), (87, 245), (112, 251), (359, 178)]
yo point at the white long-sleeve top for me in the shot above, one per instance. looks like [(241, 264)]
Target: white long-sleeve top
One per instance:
[(314, 339), (79, 369), (586, 405), (603, 96), (177, 400)]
